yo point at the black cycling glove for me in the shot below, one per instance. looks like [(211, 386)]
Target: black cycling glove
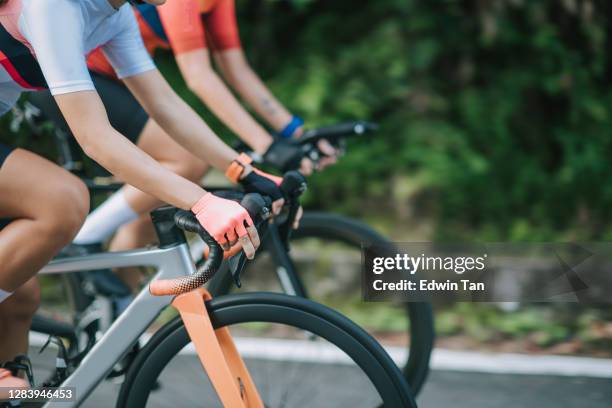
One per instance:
[(262, 183), (284, 156)]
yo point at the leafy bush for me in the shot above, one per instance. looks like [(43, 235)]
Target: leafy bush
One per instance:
[(495, 113)]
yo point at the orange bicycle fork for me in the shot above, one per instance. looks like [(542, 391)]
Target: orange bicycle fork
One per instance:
[(217, 352)]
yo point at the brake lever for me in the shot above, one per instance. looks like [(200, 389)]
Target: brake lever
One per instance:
[(293, 186), (258, 208), (238, 262), (236, 266)]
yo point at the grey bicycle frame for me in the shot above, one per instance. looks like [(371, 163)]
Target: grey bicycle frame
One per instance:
[(170, 263)]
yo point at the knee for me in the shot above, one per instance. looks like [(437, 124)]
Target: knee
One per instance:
[(71, 201), (76, 204), (189, 167)]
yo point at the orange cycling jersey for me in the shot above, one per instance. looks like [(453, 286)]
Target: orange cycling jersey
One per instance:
[(183, 26)]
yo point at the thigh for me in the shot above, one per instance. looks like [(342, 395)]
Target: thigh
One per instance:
[(4, 153), (30, 185)]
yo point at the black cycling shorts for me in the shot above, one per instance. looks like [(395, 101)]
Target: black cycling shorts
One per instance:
[(124, 112), (4, 222), (4, 152)]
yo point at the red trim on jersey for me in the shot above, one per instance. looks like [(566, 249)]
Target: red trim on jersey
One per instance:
[(12, 71)]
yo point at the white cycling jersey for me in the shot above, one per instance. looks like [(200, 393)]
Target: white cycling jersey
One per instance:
[(44, 43)]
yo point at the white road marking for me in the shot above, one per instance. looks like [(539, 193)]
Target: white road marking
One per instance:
[(442, 359)]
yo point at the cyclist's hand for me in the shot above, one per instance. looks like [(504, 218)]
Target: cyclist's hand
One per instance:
[(228, 253), (306, 166), (330, 154), (257, 181), (298, 218), (286, 156), (227, 222)]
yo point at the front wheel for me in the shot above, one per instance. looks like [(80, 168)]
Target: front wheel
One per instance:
[(326, 255), (298, 352)]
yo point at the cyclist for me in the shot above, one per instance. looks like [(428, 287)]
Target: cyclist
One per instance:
[(44, 44), (191, 29)]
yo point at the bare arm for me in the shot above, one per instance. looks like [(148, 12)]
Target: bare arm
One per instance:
[(179, 120), (202, 80), (250, 87), (88, 121)]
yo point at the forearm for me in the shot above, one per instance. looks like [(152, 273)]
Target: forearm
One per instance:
[(251, 88), (179, 120), (190, 131), (132, 165), (213, 92), (87, 119)]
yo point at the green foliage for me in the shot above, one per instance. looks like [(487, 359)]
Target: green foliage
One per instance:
[(15, 133), (499, 109), (565, 328)]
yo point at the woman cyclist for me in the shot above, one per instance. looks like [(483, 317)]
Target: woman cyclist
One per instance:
[(191, 29), (44, 44)]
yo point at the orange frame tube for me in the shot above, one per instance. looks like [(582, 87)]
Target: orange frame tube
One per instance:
[(217, 352)]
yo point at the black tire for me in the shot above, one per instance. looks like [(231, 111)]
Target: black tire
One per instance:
[(272, 308), (349, 231), (420, 315)]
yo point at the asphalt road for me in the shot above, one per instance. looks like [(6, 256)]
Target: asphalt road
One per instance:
[(336, 385)]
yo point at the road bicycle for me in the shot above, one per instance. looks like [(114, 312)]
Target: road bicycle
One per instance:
[(93, 309), (204, 323)]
